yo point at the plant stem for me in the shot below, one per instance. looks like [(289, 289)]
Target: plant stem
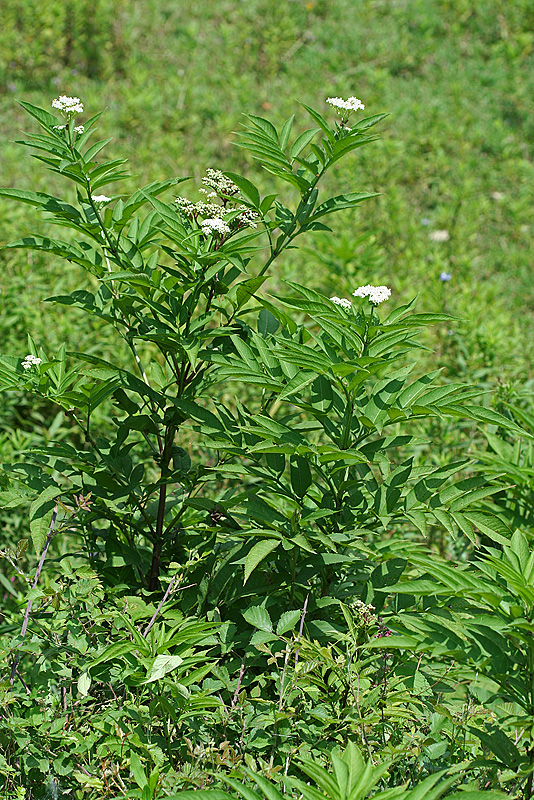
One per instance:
[(153, 579), (301, 627), (162, 603), (34, 584)]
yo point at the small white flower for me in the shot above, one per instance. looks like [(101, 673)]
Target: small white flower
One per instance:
[(215, 225), (352, 104), (498, 196), (439, 236), (31, 361), (59, 127), (100, 200), (376, 294), (209, 210), (68, 105), (342, 301), (185, 205)]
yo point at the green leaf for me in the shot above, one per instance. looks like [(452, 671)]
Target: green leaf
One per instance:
[(245, 791), (287, 621), (247, 187), (247, 288), (84, 684), (482, 414), (162, 665), (301, 142), (300, 475), (490, 525), (321, 122), (270, 791), (113, 652), (44, 117), (40, 516), (259, 618), (285, 132), (257, 553), (349, 200), (500, 745), (482, 794), (368, 122), (265, 126), (138, 772), (267, 323)]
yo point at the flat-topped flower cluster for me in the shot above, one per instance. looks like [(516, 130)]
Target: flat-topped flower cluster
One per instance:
[(345, 107), (343, 302), (31, 361), (68, 105), (100, 200), (351, 104), (376, 295)]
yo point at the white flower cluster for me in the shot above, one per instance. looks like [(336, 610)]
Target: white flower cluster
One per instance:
[(376, 294), (31, 361), (68, 105), (439, 236), (215, 225), (100, 200), (343, 302), (352, 104), (219, 183)]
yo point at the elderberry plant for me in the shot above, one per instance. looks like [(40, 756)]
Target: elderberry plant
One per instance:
[(262, 446), (180, 283)]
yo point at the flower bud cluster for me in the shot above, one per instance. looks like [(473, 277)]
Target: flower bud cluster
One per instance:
[(366, 615), (383, 633), (248, 216), (200, 208), (217, 216), (77, 128), (219, 183), (376, 295)]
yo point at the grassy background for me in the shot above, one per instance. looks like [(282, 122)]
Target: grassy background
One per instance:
[(174, 78)]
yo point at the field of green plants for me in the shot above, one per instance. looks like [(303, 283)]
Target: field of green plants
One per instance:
[(266, 400)]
